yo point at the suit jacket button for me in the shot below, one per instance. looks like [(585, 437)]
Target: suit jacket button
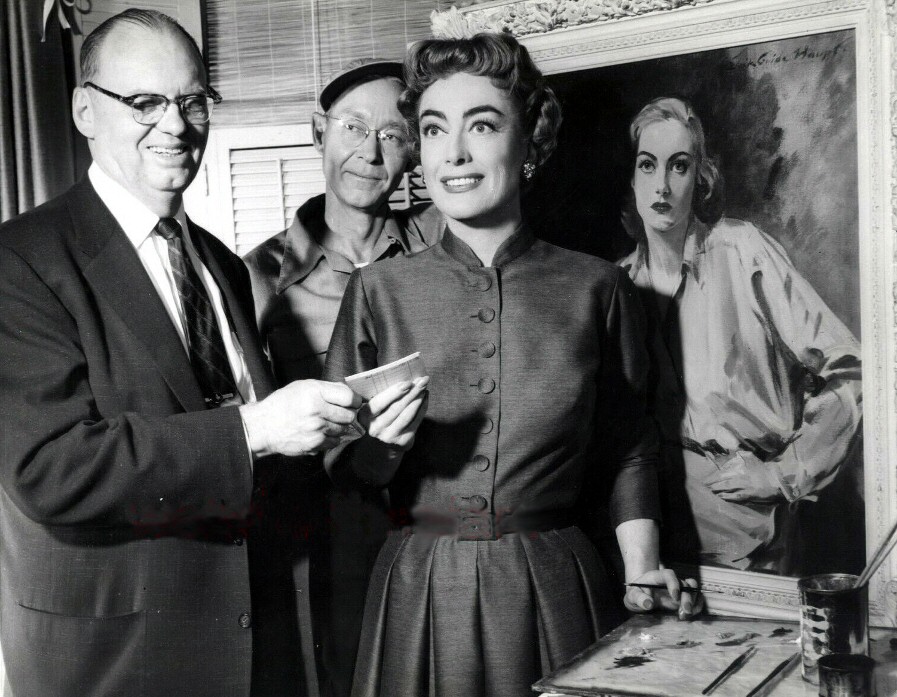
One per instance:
[(238, 541), (245, 620)]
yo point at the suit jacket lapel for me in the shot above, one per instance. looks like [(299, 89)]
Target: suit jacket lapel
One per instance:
[(243, 322), (116, 273)]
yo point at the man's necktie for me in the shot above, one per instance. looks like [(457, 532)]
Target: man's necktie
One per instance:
[(207, 353)]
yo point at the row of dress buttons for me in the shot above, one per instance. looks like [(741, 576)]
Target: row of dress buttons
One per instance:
[(486, 349)]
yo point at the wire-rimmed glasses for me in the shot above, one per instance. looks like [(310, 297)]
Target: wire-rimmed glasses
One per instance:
[(354, 132), (148, 109)]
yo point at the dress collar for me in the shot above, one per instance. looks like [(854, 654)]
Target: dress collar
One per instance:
[(509, 250)]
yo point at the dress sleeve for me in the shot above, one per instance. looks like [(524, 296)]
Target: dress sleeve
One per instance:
[(826, 369), (625, 434)]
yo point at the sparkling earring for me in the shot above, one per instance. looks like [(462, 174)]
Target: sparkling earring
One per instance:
[(529, 169)]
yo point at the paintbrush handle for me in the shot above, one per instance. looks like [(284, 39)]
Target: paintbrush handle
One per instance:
[(658, 586), (731, 668), (777, 671)]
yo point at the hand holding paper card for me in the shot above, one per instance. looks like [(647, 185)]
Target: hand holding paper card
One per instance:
[(354, 431), (371, 382)]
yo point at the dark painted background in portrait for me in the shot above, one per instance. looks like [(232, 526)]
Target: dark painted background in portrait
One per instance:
[(780, 119)]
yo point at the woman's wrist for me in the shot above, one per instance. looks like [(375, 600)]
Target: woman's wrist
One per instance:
[(375, 462)]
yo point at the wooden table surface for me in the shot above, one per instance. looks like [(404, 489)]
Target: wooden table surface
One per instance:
[(659, 656)]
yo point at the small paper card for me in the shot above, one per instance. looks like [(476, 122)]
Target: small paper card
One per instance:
[(371, 382)]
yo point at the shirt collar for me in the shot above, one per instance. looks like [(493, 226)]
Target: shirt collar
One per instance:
[(137, 221), (692, 252), (302, 252), (513, 247)]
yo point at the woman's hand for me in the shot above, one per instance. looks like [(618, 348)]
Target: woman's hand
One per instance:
[(393, 416), (687, 604)]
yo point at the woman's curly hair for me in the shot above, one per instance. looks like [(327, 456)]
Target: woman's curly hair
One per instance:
[(499, 57)]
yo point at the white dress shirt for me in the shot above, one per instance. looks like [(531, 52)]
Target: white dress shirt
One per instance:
[(139, 224)]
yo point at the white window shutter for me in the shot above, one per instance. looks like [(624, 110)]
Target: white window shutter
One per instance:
[(268, 185), (252, 182)]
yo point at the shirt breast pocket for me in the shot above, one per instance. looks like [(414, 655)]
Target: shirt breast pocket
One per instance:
[(298, 353)]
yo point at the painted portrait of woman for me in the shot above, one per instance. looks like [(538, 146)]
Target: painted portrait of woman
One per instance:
[(757, 391)]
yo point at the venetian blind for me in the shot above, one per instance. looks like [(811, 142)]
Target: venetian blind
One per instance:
[(268, 185), (270, 58)]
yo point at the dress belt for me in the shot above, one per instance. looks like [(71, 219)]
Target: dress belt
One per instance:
[(469, 526)]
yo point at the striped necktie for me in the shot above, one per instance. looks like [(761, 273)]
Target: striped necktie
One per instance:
[(208, 356)]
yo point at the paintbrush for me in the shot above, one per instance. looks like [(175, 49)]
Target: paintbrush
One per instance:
[(731, 668), (776, 672), (661, 587)]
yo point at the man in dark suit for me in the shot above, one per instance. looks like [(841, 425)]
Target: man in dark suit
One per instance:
[(140, 442)]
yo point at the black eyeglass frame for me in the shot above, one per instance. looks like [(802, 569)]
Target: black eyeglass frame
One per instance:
[(380, 133), (212, 96)]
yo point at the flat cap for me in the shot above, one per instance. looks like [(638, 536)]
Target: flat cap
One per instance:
[(354, 72)]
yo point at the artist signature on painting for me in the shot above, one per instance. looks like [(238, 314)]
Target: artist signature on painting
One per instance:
[(807, 52)]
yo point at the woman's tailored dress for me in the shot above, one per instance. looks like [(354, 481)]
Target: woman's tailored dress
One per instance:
[(753, 370), (537, 377)]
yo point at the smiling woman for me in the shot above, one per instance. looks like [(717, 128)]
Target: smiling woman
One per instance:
[(473, 152), (533, 423)]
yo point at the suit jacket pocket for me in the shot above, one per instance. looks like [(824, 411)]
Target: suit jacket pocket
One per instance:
[(51, 654)]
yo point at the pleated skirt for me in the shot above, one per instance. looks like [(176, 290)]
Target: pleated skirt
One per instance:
[(446, 618)]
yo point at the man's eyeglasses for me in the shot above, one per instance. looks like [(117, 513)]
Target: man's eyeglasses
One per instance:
[(354, 132), (148, 109)]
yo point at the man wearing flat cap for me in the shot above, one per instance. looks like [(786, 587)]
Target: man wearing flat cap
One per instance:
[(298, 279)]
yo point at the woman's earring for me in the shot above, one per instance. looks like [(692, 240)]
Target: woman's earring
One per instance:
[(529, 169)]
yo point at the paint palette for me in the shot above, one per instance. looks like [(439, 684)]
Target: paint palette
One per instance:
[(659, 656)]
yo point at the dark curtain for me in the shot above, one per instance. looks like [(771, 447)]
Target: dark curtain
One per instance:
[(37, 143)]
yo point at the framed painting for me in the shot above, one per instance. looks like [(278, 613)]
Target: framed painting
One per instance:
[(795, 98)]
